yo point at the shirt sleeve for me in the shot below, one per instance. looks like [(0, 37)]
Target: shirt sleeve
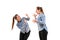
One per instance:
[(19, 25), (26, 18), (41, 19)]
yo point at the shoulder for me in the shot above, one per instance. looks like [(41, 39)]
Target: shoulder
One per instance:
[(42, 15), (19, 23), (23, 17)]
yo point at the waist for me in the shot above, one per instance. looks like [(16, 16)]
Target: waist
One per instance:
[(42, 28), (25, 32)]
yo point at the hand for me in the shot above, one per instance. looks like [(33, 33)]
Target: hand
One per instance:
[(34, 15), (34, 21), (26, 14)]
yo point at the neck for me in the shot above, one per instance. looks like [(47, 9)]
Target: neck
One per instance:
[(40, 13), (19, 20)]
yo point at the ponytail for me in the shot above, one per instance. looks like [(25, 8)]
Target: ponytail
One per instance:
[(13, 22)]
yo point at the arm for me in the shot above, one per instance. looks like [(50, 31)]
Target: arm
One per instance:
[(41, 19), (27, 17), (34, 20), (19, 25), (34, 15)]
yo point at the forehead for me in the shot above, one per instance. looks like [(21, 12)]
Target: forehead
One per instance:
[(37, 10), (17, 16)]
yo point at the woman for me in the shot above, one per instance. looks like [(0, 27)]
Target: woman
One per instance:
[(40, 20), (23, 25)]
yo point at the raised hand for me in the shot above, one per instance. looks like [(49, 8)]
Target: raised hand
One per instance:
[(34, 21), (27, 15), (34, 15)]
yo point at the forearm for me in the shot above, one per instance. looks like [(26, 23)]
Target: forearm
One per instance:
[(28, 17), (34, 15), (41, 22)]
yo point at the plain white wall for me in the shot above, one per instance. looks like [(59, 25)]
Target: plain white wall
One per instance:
[(8, 8)]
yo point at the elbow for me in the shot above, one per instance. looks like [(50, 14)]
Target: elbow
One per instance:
[(41, 22), (28, 19)]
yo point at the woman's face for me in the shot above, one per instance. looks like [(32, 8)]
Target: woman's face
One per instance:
[(37, 11), (18, 18)]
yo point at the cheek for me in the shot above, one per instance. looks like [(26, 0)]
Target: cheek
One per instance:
[(36, 10), (17, 18)]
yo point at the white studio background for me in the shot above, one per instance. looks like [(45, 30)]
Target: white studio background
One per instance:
[(8, 8)]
